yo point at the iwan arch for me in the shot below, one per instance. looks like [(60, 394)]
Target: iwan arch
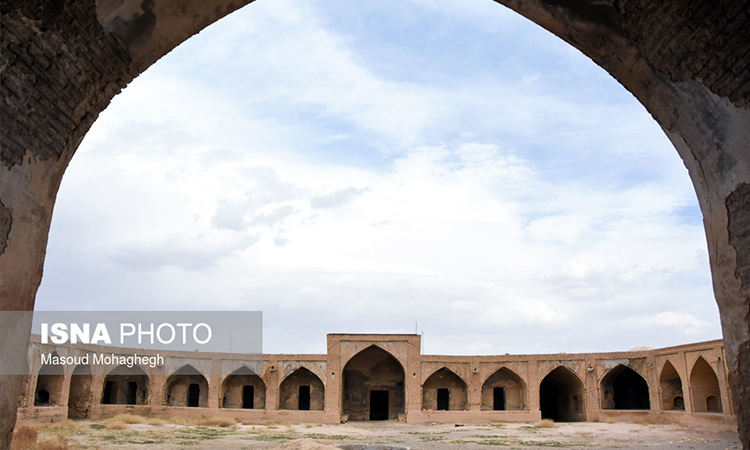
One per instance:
[(385, 377), (686, 61)]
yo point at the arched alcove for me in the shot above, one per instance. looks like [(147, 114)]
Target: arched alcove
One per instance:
[(696, 91), (704, 387), (243, 388), (670, 389), (444, 391), (49, 384), (79, 398), (504, 390), (561, 396), (302, 390), (186, 387), (624, 388), (126, 386), (373, 386)]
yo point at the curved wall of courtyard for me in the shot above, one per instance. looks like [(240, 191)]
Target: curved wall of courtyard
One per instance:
[(386, 377)]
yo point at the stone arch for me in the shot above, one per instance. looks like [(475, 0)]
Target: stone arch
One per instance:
[(186, 387), (126, 386), (624, 388), (704, 387), (445, 390), (302, 390), (243, 388), (79, 398), (670, 389), (504, 390), (561, 396), (697, 92), (49, 384), (373, 386)]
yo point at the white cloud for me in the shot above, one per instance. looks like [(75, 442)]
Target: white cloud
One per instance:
[(272, 164)]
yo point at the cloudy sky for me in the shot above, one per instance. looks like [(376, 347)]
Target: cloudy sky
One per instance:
[(359, 166)]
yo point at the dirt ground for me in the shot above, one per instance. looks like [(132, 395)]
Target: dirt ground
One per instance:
[(153, 434)]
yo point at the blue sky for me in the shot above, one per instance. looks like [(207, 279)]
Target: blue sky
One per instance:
[(359, 167)]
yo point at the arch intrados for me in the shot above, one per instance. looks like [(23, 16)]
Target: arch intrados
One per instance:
[(617, 371), (375, 347), (301, 369), (706, 363), (565, 373), (447, 369), (125, 370), (243, 371), (187, 370), (664, 368), (509, 371)]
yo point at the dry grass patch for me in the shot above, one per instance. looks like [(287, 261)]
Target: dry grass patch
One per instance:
[(24, 438), (545, 423)]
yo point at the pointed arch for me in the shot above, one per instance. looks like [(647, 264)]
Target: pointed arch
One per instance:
[(79, 398), (704, 387), (561, 396), (244, 389), (504, 390), (302, 390), (126, 386), (670, 389), (624, 388), (49, 384), (373, 386), (186, 387), (444, 390)]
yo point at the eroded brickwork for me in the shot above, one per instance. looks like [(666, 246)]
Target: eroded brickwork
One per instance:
[(59, 71), (700, 40)]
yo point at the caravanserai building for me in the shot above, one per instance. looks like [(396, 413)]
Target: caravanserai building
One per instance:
[(385, 377)]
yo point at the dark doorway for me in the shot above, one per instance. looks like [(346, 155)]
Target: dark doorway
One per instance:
[(304, 398), (248, 397), (560, 396), (130, 393), (624, 388), (42, 398), (110, 393), (378, 405), (498, 399), (443, 399), (194, 395)]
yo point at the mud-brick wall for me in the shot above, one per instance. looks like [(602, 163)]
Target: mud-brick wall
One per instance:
[(59, 70), (694, 39)]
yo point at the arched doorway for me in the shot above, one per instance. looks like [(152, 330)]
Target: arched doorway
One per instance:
[(79, 399), (373, 386), (700, 108), (624, 388), (125, 386), (186, 387), (243, 388), (503, 390), (704, 387), (670, 389), (302, 390), (561, 396), (444, 391), (49, 385)]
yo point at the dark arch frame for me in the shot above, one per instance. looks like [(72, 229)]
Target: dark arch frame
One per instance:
[(562, 396), (240, 378), (355, 403), (670, 388), (186, 383), (458, 390), (521, 399), (624, 388), (289, 393), (697, 92)]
